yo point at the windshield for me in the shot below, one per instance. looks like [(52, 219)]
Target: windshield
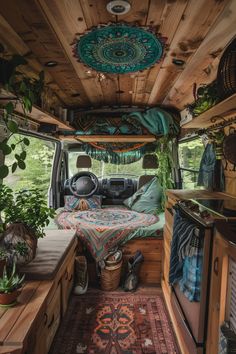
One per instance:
[(102, 169)]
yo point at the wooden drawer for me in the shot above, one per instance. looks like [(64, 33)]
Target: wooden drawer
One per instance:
[(67, 284), (49, 324)]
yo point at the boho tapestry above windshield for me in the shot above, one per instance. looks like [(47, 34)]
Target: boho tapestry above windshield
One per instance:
[(119, 48)]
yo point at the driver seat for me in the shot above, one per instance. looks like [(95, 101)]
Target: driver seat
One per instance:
[(84, 161), (150, 162)]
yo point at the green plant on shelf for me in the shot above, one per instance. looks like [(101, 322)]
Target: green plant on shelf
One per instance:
[(10, 282), (206, 96)]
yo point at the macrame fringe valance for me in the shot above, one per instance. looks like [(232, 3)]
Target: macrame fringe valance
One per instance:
[(124, 157)]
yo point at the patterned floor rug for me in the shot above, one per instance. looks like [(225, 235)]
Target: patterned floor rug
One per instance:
[(115, 323)]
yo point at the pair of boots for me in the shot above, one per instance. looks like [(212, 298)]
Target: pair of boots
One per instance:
[(134, 263)]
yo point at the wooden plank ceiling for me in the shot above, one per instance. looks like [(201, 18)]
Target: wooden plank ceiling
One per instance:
[(196, 32)]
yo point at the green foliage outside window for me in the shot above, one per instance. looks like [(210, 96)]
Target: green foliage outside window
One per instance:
[(38, 162), (190, 154)]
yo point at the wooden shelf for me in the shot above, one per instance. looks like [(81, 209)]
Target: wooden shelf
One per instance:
[(226, 108), (37, 114), (111, 138)]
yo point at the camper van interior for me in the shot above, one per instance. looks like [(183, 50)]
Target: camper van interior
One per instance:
[(118, 176)]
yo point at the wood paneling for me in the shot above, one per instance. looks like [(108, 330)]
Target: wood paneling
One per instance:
[(195, 31)]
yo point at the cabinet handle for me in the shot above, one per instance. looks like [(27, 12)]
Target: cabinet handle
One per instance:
[(52, 320), (45, 318), (216, 266)]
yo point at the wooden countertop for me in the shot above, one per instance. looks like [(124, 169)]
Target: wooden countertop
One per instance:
[(178, 194)]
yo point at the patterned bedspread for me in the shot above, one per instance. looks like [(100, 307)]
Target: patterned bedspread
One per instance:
[(103, 229)]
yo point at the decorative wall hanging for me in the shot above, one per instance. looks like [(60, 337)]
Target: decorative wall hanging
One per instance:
[(118, 154), (119, 48)]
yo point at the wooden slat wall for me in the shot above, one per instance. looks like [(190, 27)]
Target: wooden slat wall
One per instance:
[(195, 31)]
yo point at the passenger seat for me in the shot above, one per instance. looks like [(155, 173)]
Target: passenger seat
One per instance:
[(150, 162), (84, 161)]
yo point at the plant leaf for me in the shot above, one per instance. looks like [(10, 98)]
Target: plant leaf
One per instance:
[(14, 167), (9, 108), (4, 170), (21, 164), (26, 141), (23, 155), (12, 126)]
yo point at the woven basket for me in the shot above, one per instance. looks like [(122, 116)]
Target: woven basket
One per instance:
[(110, 277), (226, 75)]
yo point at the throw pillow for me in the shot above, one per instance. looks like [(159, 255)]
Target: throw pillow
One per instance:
[(131, 200), (73, 203), (150, 200)]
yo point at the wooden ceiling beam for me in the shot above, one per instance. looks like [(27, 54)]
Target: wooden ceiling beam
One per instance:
[(204, 64), (114, 138), (196, 21)]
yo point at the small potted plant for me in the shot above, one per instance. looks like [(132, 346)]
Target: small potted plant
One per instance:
[(24, 221), (10, 285)]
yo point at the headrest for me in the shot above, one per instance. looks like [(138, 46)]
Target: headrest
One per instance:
[(150, 161), (83, 161)]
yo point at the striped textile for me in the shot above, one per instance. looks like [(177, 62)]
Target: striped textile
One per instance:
[(185, 243)]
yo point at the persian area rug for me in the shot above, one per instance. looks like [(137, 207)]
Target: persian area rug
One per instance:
[(115, 323)]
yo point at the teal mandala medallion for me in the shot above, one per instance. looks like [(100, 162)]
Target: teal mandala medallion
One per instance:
[(119, 49)]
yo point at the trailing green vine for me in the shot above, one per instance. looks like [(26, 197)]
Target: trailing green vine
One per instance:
[(26, 91), (164, 173)]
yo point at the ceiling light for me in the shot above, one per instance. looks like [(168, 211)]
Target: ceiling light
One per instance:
[(118, 7), (51, 63), (178, 62)]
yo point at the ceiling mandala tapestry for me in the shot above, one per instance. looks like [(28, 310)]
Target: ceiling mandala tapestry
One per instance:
[(119, 49)]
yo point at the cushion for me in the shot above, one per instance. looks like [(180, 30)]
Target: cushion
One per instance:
[(130, 201), (73, 203), (147, 199)]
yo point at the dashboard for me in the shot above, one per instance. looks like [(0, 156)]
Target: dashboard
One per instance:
[(113, 189)]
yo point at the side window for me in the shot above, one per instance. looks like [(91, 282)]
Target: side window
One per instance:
[(190, 154), (38, 164)]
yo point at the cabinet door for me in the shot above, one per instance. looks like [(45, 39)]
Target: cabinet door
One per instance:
[(67, 284), (215, 296), (49, 325)]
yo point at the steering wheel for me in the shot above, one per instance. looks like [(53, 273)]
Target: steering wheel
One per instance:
[(83, 184)]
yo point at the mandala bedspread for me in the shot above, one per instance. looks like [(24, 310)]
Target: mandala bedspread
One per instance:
[(101, 230)]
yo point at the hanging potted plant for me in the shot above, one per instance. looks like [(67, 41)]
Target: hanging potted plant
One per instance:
[(10, 285), (24, 221)]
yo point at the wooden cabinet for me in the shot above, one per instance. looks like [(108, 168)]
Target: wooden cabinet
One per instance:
[(49, 324), (223, 251), (30, 326), (67, 284)]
